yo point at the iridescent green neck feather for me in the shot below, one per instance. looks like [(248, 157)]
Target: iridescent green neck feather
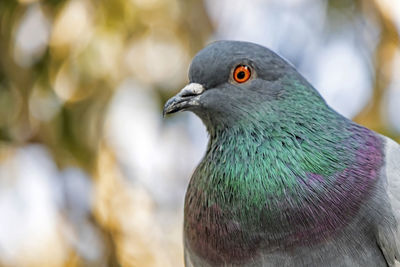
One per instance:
[(269, 147)]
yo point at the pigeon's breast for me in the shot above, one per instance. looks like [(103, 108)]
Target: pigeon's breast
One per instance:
[(320, 209), (212, 234)]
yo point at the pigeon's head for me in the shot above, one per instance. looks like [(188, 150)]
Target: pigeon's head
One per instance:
[(233, 81)]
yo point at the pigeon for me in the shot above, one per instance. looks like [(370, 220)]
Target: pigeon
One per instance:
[(285, 180)]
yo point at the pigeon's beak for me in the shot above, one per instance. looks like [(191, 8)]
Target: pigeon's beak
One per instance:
[(187, 97)]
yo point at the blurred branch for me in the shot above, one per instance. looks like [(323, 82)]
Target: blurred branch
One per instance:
[(371, 116)]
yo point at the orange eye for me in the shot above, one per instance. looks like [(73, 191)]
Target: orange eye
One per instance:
[(242, 73)]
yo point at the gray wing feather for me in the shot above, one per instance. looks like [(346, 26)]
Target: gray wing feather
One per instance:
[(389, 238)]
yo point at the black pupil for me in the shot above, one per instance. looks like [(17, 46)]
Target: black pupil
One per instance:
[(241, 75)]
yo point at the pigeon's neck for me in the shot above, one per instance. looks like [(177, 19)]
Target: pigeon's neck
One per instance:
[(290, 182), (275, 158)]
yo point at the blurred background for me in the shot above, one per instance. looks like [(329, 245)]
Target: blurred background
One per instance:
[(90, 172)]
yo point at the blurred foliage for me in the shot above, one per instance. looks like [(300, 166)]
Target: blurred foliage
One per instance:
[(388, 44), (61, 63), (56, 89), (81, 65)]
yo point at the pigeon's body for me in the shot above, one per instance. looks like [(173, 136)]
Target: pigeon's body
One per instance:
[(320, 223), (286, 181)]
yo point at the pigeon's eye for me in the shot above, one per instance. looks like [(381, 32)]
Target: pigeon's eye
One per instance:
[(241, 74)]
